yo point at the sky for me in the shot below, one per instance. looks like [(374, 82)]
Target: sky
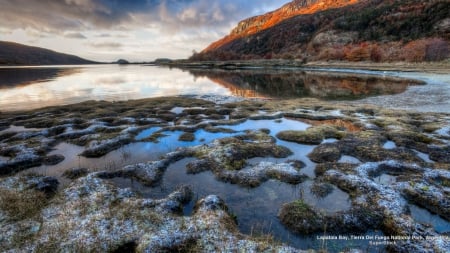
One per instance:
[(135, 30)]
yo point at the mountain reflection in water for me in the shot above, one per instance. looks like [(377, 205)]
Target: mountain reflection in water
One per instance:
[(298, 84), (14, 77), (23, 88)]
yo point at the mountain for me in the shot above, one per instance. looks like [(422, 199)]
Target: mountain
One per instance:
[(354, 30), (17, 54)]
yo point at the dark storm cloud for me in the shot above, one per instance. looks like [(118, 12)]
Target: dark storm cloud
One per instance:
[(57, 16)]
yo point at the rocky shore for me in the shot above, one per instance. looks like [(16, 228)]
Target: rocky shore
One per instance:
[(354, 149), (428, 67)]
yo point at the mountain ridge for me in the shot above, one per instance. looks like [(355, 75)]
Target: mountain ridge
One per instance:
[(12, 53), (352, 30), (258, 23)]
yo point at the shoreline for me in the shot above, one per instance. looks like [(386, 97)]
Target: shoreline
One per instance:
[(427, 67)]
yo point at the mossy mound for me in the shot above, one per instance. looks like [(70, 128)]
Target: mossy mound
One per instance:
[(313, 135), (328, 152), (188, 137), (300, 217)]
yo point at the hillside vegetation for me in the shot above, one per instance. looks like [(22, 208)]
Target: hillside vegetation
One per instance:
[(17, 54), (354, 30)]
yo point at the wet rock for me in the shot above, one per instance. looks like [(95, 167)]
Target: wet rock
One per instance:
[(253, 176), (53, 159), (300, 217), (284, 172), (101, 148), (428, 196), (187, 137), (47, 185), (297, 164), (232, 153), (75, 173), (328, 152), (93, 215), (411, 139), (5, 136), (441, 155), (367, 147), (198, 166), (149, 173), (313, 135), (301, 137), (210, 203), (321, 190), (24, 158), (321, 168), (388, 200)]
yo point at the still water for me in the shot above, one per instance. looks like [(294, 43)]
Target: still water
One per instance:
[(24, 88)]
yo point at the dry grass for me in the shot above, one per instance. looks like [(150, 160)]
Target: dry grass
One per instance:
[(21, 205)]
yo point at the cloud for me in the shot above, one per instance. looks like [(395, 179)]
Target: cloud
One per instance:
[(74, 35), (81, 15), (108, 45), (112, 28)]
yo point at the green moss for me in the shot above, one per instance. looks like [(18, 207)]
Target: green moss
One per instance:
[(303, 137), (313, 135), (300, 217), (431, 127), (211, 129), (154, 137), (445, 182)]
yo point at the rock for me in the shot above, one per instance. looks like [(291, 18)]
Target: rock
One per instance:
[(210, 203), (47, 185), (313, 135), (101, 148), (188, 137), (300, 217), (441, 155), (149, 173), (53, 159), (328, 152), (321, 190), (302, 137)]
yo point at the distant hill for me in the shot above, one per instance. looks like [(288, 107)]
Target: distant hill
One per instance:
[(353, 30), (17, 54)]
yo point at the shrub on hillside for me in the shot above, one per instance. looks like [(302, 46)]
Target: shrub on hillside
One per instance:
[(437, 50)]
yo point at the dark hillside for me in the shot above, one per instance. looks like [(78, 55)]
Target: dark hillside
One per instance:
[(17, 54), (375, 30)]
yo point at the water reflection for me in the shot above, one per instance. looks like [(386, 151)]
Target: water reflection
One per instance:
[(100, 82), (35, 87), (294, 84), (11, 77)]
